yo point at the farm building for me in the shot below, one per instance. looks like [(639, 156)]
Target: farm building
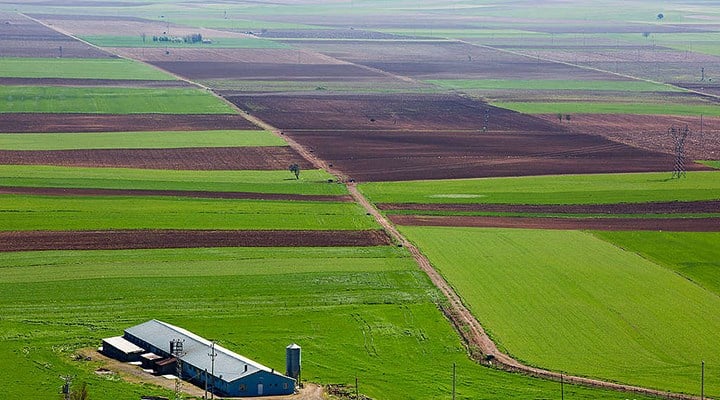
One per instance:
[(230, 374)]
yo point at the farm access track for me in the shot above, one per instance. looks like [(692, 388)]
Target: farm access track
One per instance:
[(479, 344)]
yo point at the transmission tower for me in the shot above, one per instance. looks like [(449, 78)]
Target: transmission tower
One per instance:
[(679, 135), (176, 349)]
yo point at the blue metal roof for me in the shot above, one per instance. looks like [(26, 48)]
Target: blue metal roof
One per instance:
[(229, 366)]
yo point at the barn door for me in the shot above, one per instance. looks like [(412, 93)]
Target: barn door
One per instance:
[(260, 389)]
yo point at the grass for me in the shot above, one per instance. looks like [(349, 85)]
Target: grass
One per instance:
[(551, 84), (310, 182), (25, 212), (217, 43), (77, 68), (548, 215), (609, 108), (693, 255), (365, 312), (565, 189), (137, 140), (98, 100), (569, 301), (712, 164), (317, 86)]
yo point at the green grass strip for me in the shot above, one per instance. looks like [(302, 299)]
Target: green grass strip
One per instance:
[(98, 100), (21, 212), (564, 189), (694, 255), (137, 140), (712, 164), (549, 84), (569, 301), (79, 68), (609, 108), (310, 182), (217, 43)]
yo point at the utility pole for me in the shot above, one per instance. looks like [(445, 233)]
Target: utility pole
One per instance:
[(454, 376), (176, 349), (66, 386), (702, 380), (212, 355), (357, 392), (562, 387)]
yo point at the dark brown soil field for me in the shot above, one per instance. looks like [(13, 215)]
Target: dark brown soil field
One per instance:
[(420, 112), (414, 136), (266, 71), (250, 56), (601, 224), (94, 82), (650, 132), (162, 239), (673, 207), (170, 193), (30, 122), (23, 37), (206, 158)]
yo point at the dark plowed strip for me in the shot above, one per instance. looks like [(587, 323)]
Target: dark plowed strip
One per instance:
[(601, 224), (94, 82), (29, 122), (172, 193), (163, 239), (672, 207), (205, 158)]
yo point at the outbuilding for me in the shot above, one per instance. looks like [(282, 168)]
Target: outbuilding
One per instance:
[(226, 373)]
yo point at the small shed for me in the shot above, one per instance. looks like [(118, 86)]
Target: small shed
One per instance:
[(121, 349)]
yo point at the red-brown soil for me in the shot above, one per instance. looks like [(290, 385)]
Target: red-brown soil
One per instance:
[(23, 37), (162, 239), (673, 207), (448, 60), (605, 224), (416, 136), (420, 112), (202, 158), (94, 82), (30, 122), (265, 71), (650, 132), (170, 193)]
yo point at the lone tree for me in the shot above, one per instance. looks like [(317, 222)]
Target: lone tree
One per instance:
[(295, 169), (660, 16)]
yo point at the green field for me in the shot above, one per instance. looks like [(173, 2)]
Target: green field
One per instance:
[(310, 182), (550, 84), (565, 189), (713, 164), (694, 255), (137, 140), (78, 68), (217, 43), (365, 312), (108, 100), (394, 86), (21, 212), (569, 301), (609, 108)]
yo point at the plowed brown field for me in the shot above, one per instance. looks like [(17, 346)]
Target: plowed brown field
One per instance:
[(604, 224), (29, 122), (266, 71), (419, 136), (673, 207), (162, 239), (212, 158), (650, 132), (170, 193)]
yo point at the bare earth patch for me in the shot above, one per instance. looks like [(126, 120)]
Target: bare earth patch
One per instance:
[(165, 239), (604, 224)]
